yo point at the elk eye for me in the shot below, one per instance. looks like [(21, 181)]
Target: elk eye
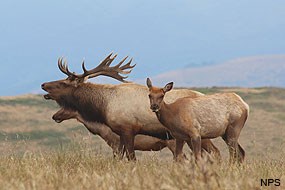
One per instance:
[(149, 96)]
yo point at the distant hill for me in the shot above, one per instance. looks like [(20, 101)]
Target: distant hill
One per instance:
[(258, 71), (254, 71)]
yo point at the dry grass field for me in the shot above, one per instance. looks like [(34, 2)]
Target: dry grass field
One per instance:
[(37, 153)]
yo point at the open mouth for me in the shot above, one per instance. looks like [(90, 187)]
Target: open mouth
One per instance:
[(47, 97), (58, 120), (56, 117), (155, 110)]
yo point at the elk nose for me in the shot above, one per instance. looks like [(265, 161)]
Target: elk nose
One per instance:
[(57, 119), (154, 107), (43, 85)]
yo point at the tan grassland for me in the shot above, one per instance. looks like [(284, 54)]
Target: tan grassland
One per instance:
[(37, 153)]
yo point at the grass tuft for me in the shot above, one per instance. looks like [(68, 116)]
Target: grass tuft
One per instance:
[(79, 167)]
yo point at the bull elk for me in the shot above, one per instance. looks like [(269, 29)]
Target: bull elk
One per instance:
[(210, 116), (123, 108)]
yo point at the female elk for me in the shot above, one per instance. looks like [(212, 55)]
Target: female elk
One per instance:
[(210, 116), (142, 142)]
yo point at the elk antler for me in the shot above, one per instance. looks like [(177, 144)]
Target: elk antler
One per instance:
[(64, 68), (103, 68)]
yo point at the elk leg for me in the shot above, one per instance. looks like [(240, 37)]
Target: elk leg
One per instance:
[(122, 147), (196, 144), (208, 145), (204, 153), (232, 145), (111, 139), (129, 145), (171, 145), (231, 138), (195, 141), (178, 150)]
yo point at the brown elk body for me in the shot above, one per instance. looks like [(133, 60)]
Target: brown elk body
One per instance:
[(142, 142), (124, 108), (190, 119)]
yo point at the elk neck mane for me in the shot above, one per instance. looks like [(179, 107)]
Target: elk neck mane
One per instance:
[(89, 100)]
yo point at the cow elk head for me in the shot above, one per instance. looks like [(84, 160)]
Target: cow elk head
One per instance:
[(156, 95), (65, 114), (61, 88)]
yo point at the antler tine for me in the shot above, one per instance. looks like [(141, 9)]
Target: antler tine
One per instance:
[(102, 64), (98, 68), (66, 68), (63, 67), (83, 67), (114, 71), (59, 63), (111, 60), (128, 65), (123, 79), (60, 66), (121, 62), (116, 76), (106, 60), (104, 68), (120, 69)]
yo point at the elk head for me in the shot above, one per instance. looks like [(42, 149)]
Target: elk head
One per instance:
[(61, 89), (65, 114), (156, 95)]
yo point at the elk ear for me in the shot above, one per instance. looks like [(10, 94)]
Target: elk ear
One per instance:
[(148, 83), (168, 87)]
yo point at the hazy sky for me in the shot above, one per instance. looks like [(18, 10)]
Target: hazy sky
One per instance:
[(160, 35)]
